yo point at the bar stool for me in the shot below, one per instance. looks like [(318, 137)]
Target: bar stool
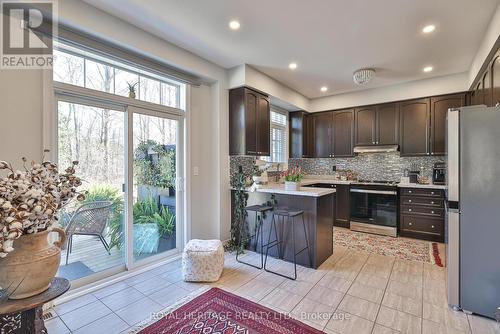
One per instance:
[(287, 221), (259, 210)]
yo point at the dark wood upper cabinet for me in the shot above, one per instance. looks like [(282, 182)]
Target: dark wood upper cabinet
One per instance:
[(414, 127), (343, 133), (387, 128), (323, 138), (495, 80), (486, 88), (365, 126), (263, 126), (439, 108), (301, 135), (377, 125), (249, 122)]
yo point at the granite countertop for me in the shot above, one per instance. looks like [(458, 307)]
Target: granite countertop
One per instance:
[(279, 188), (331, 180), (418, 185)]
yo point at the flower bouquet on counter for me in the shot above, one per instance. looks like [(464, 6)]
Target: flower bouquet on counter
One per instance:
[(292, 177)]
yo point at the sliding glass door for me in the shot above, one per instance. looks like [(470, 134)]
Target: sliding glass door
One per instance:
[(131, 163), (157, 166), (93, 135)]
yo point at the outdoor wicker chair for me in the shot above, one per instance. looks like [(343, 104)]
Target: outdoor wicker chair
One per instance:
[(89, 219)]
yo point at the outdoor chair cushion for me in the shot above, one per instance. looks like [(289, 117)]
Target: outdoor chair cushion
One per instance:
[(202, 260)]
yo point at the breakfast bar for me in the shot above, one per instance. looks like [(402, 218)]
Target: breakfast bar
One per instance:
[(318, 205)]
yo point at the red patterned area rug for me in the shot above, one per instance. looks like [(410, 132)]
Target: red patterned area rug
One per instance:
[(219, 312), (403, 248)]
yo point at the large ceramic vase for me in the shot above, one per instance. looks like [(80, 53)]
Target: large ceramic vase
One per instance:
[(31, 266)]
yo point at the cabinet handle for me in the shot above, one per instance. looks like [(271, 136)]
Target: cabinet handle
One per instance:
[(373, 142), (427, 153), (432, 226), (410, 224), (432, 211), (432, 202), (409, 191), (432, 192), (376, 142), (432, 153), (409, 210), (409, 201)]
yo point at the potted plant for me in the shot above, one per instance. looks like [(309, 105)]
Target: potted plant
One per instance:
[(131, 89), (153, 227), (292, 178), (154, 168), (30, 201)]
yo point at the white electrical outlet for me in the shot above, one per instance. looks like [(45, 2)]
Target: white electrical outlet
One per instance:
[(196, 171)]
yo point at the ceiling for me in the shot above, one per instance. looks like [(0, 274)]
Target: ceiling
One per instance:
[(328, 39)]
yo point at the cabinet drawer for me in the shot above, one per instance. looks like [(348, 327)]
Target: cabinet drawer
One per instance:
[(421, 210), (422, 225), (422, 192), (414, 200)]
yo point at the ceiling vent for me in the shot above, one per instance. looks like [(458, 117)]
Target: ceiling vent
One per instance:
[(363, 76)]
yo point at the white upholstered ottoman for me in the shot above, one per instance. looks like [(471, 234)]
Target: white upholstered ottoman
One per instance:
[(202, 260)]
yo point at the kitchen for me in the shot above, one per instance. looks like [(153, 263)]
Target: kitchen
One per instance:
[(383, 166)]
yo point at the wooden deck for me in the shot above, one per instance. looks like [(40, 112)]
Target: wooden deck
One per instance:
[(90, 251)]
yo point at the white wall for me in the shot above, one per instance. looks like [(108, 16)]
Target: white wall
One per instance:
[(204, 216), (414, 89), (489, 40), (245, 75), (21, 115)]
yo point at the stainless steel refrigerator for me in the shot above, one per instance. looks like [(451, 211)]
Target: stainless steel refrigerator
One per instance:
[(473, 215)]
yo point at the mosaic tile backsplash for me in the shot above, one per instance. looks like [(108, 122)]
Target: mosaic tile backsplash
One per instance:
[(368, 166)]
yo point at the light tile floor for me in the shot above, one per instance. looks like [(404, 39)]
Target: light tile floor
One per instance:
[(352, 292)]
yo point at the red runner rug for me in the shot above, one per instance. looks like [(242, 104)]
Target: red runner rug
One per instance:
[(218, 311)]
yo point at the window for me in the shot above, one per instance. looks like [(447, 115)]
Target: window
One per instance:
[(82, 68), (95, 124), (278, 137)]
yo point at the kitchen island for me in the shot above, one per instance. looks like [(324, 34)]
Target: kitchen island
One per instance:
[(318, 205)]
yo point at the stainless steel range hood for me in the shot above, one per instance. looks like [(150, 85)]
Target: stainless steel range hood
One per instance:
[(376, 149)]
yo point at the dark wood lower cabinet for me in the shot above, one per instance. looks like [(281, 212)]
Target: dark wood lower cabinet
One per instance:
[(422, 213), (343, 207)]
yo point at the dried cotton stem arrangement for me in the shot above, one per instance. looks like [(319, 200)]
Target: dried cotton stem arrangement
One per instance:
[(31, 199)]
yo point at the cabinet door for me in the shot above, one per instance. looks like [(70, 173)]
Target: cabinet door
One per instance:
[(251, 106), (414, 127), (343, 133), (388, 124), (365, 126), (439, 108), (263, 126), (309, 136), (486, 89), (343, 207), (296, 135), (495, 75), (323, 135)]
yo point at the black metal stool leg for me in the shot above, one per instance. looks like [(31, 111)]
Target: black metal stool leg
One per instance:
[(257, 226), (290, 223)]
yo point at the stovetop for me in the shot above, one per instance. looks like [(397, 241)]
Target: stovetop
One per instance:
[(376, 182)]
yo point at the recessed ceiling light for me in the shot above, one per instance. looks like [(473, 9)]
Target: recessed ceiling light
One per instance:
[(235, 25), (292, 66), (324, 89), (429, 28), (428, 69)]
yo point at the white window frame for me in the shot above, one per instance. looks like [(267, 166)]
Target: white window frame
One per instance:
[(86, 56), (284, 163), (54, 91)]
